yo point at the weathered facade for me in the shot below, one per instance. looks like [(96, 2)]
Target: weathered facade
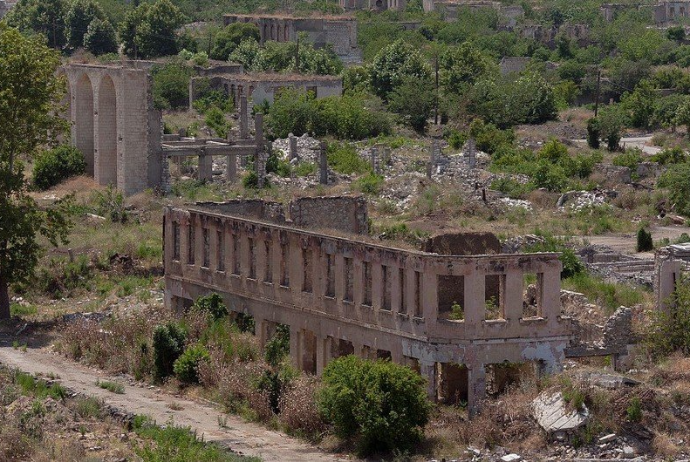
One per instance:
[(666, 12), (457, 319), (264, 87), (373, 5), (669, 264), (5, 6), (113, 122), (338, 31)]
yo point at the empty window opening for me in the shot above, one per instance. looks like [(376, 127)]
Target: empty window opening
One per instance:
[(452, 383), (501, 377), (340, 347), (349, 279), (386, 282), (366, 269), (268, 266), (252, 258), (402, 287), (235, 254), (532, 296), (176, 241), (207, 247), (192, 245), (308, 351), (245, 323), (284, 269), (384, 354), (493, 306), (330, 275), (307, 270), (451, 297), (220, 250), (418, 294)]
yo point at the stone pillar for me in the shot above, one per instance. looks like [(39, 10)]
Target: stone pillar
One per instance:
[(323, 353), (373, 153), (471, 153), (386, 156), (244, 116), (428, 371), (205, 167), (165, 174), (293, 147), (476, 377), (231, 168), (323, 164), (296, 348)]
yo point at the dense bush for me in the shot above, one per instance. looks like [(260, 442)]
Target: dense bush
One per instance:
[(670, 331), (278, 347), (215, 120), (230, 37), (212, 303), (186, 367), (644, 240), (100, 38), (171, 85), (677, 180), (343, 158), (593, 133), (383, 405), (53, 166), (168, 345)]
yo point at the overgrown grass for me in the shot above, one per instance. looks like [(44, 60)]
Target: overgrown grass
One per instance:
[(30, 386), (23, 310), (606, 294), (178, 444), (112, 387)]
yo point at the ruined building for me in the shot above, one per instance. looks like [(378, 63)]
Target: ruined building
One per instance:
[(671, 11), (338, 31), (5, 6), (373, 5), (457, 319)]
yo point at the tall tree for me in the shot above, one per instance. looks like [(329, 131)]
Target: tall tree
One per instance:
[(395, 63), (79, 16), (150, 30), (45, 17), (30, 93)]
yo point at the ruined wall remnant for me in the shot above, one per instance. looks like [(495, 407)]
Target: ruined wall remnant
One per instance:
[(343, 213), (463, 244), (115, 125), (347, 296), (669, 263)]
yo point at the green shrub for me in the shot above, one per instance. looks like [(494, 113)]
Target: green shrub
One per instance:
[(630, 158), (56, 165), (212, 303), (278, 347), (572, 265), (644, 240), (110, 203), (670, 156), (186, 367), (171, 84), (274, 164), (670, 330), (343, 158), (369, 184), (215, 120), (168, 345), (305, 169), (593, 133), (677, 180), (634, 410), (383, 405)]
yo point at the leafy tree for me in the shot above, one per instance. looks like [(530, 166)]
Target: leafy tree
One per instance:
[(611, 122), (80, 15), (356, 79), (186, 367), (677, 181), (55, 165), (640, 104), (150, 30), (644, 240), (670, 331), (383, 404), (463, 66), (45, 17), (393, 65), (683, 115), (230, 37), (171, 84), (414, 100), (212, 303), (100, 37), (246, 53), (675, 33), (593, 133), (323, 61), (168, 345), (29, 110), (215, 120)]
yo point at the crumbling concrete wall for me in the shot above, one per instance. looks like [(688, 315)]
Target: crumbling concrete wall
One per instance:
[(342, 295), (115, 125), (463, 244), (669, 262), (343, 213)]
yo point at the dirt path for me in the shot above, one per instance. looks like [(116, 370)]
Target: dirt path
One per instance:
[(239, 436), (626, 243)]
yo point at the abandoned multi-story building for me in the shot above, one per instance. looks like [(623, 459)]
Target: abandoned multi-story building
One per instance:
[(509, 14), (5, 6), (338, 31), (670, 11), (373, 5), (458, 319), (265, 86)]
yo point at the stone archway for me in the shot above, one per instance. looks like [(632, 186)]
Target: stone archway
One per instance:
[(106, 160), (84, 126)]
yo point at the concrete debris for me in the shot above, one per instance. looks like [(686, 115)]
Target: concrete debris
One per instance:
[(608, 438), (307, 148), (552, 414), (610, 381), (516, 203), (511, 458), (579, 200), (517, 244)]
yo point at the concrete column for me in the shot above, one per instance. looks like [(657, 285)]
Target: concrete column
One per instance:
[(244, 118), (293, 146), (471, 153), (550, 291), (476, 377), (428, 371), (262, 327), (474, 304), (205, 167), (373, 154), (323, 353), (323, 164), (429, 298), (296, 348), (511, 295), (231, 168)]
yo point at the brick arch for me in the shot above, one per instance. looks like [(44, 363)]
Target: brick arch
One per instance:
[(106, 159), (84, 120)]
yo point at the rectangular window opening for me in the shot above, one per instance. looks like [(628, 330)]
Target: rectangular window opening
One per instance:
[(176, 241), (284, 268), (531, 304), (386, 282), (403, 288), (493, 302), (207, 247), (307, 270), (418, 294), (235, 254), (220, 250), (366, 270), (451, 297), (349, 279), (330, 275), (192, 245), (252, 258), (268, 248)]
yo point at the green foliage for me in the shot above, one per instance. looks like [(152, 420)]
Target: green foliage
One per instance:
[(171, 85), (369, 184), (393, 64), (640, 104), (677, 181), (671, 156), (150, 30), (46, 17), (100, 38), (39, 389), (343, 158), (644, 240), (572, 265), (278, 347), (675, 33), (80, 15), (212, 303), (215, 120), (593, 133), (230, 37), (611, 122), (383, 405), (414, 100), (110, 203), (186, 367), (112, 387), (630, 158), (356, 80), (634, 410), (206, 98), (606, 294), (56, 165), (178, 444), (512, 188), (168, 345), (275, 164), (488, 137), (670, 330), (462, 66)]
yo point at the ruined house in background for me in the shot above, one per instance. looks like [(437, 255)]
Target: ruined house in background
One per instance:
[(5, 6), (460, 320), (669, 263), (338, 31), (373, 5)]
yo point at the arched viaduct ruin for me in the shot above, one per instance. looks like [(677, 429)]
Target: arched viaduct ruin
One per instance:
[(113, 123)]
